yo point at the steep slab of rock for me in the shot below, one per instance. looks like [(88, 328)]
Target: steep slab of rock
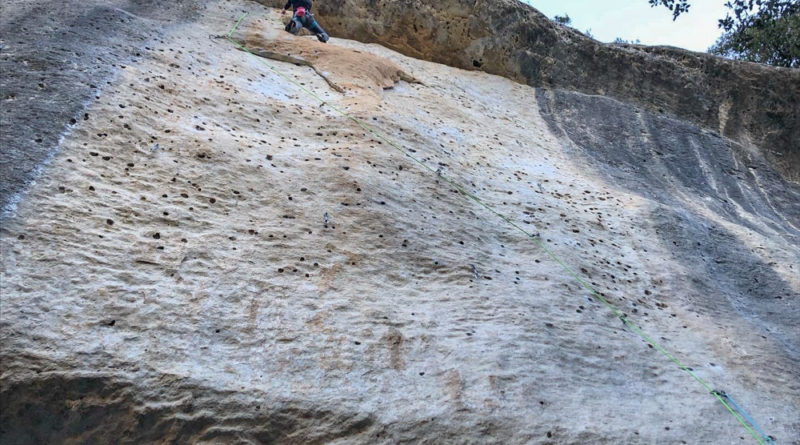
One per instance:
[(171, 275)]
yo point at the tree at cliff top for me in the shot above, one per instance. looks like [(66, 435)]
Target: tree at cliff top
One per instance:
[(564, 20), (770, 34), (763, 31)]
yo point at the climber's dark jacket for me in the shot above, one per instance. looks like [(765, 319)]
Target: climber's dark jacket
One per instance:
[(294, 4)]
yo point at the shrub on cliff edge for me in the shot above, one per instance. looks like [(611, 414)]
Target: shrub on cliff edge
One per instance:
[(763, 31)]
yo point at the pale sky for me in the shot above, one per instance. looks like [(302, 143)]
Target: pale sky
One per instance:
[(635, 19)]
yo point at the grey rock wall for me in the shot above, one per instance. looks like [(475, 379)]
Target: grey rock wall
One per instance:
[(55, 59), (670, 161)]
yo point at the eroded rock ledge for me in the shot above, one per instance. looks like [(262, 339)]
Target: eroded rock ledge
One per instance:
[(747, 102), (343, 69)]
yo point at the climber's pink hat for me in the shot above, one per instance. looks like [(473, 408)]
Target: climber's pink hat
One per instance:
[(301, 11)]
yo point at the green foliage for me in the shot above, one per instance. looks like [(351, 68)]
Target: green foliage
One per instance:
[(763, 31), (677, 7), (563, 19)]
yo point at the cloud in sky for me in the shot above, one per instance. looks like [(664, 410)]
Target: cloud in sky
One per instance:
[(635, 19)]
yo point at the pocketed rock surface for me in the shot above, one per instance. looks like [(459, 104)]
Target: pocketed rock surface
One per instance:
[(747, 102), (214, 256)]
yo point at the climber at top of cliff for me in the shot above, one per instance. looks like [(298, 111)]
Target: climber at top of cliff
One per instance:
[(303, 18)]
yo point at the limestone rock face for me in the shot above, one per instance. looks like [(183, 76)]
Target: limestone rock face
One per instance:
[(752, 104), (212, 255), (57, 57)]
